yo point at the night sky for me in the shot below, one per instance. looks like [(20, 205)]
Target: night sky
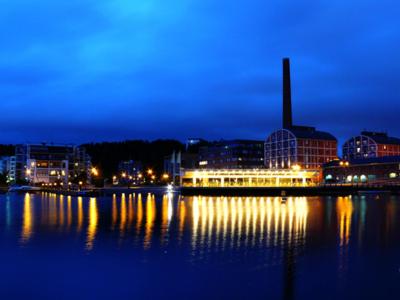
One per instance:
[(94, 70)]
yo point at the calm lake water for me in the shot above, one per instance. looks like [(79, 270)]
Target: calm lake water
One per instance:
[(151, 246)]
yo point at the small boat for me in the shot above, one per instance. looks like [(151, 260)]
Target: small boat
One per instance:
[(23, 188)]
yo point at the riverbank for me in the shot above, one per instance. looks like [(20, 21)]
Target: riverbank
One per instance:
[(326, 190)]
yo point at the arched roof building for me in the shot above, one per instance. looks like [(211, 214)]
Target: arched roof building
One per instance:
[(370, 145), (299, 145)]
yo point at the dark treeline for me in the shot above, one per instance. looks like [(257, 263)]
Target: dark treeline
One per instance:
[(107, 155), (7, 150)]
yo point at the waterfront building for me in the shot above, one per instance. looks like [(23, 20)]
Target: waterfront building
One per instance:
[(249, 178), (51, 164), (370, 145), (174, 163), (234, 154), (385, 169), (8, 167), (300, 146)]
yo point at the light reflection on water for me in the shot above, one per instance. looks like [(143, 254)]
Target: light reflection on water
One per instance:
[(217, 222), (257, 234)]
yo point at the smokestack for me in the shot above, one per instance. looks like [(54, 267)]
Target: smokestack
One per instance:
[(287, 95)]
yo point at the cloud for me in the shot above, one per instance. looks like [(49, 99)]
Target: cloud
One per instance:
[(81, 70)]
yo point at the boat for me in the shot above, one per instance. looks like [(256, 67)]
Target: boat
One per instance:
[(23, 188)]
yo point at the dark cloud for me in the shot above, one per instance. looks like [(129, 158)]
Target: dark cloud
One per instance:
[(87, 70)]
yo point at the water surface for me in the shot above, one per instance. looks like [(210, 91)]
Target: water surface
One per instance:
[(150, 246)]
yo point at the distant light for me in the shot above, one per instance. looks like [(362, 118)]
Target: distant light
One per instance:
[(296, 167), (170, 188), (95, 172)]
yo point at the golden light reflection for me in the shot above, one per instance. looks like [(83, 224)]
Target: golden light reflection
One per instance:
[(92, 226), (182, 217), (344, 208), (69, 211), (150, 218), (27, 221), (61, 210), (114, 212), (247, 221), (139, 219), (80, 215), (123, 216)]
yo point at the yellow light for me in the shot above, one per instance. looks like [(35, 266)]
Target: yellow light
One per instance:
[(140, 175), (123, 174), (296, 167), (114, 177), (347, 163), (95, 172), (28, 172), (165, 176), (80, 182), (341, 163), (153, 177), (150, 171)]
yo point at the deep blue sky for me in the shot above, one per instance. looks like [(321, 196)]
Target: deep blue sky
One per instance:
[(93, 70)]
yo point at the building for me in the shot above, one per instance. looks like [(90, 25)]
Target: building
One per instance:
[(130, 171), (7, 167), (51, 164), (293, 145), (174, 163), (234, 154), (249, 178), (302, 146), (370, 145), (385, 169)]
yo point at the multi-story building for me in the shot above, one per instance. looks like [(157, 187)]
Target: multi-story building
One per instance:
[(300, 146), (370, 145), (7, 167), (234, 154), (50, 163)]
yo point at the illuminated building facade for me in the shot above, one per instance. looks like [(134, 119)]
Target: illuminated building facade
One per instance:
[(7, 167), (302, 146), (249, 178), (384, 169), (50, 163), (235, 154), (297, 145), (370, 145)]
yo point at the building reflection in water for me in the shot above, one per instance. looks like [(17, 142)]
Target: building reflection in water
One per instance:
[(344, 211), (238, 221), (27, 219), (344, 208), (150, 218), (93, 219), (205, 223)]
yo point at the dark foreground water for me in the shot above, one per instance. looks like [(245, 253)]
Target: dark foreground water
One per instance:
[(160, 246)]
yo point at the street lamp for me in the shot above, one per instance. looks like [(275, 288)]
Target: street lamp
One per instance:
[(95, 172)]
